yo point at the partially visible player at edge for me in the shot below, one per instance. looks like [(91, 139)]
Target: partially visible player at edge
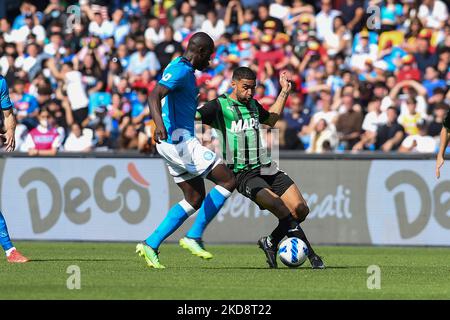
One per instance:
[(445, 138), (12, 254), (237, 117), (188, 161)]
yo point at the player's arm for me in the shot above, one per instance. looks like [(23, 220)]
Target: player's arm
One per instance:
[(8, 114), (10, 126), (207, 113), (277, 108), (154, 102), (445, 137)]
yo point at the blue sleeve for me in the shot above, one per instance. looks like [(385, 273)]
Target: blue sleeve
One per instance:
[(34, 105), (5, 101), (173, 77)]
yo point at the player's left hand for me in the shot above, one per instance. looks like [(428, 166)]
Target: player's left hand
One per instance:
[(10, 141), (160, 134), (285, 82)]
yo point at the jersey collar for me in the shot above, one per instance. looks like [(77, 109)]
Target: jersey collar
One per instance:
[(187, 62)]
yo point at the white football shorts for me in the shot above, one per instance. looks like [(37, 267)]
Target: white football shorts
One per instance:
[(187, 159)]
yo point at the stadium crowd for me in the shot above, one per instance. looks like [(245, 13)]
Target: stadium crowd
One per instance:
[(368, 75)]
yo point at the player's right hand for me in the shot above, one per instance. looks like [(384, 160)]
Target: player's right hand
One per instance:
[(9, 141), (439, 163), (160, 134)]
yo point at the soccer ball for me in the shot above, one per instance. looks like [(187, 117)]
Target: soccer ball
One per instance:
[(293, 252)]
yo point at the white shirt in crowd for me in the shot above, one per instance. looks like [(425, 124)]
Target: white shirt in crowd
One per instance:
[(75, 90), (20, 35), (435, 16), (214, 31), (421, 105), (25, 63), (324, 23), (279, 11), (106, 29), (425, 144), (373, 120), (79, 144), (154, 36)]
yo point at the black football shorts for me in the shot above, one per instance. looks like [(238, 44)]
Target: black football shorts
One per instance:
[(250, 182)]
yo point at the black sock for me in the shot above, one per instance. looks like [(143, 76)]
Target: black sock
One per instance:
[(296, 231), (280, 231)]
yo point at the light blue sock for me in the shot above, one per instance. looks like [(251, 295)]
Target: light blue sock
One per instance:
[(175, 218), (5, 241), (210, 207)]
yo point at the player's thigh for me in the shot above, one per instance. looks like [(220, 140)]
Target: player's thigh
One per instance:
[(194, 191), (267, 199), (293, 199), (259, 191), (222, 176)]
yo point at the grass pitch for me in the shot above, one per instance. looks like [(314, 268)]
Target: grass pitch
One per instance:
[(114, 271)]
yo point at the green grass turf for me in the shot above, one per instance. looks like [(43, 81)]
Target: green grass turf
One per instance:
[(114, 271)]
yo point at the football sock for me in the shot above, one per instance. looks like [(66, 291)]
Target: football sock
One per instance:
[(175, 218), (5, 241), (297, 231), (280, 231), (211, 205)]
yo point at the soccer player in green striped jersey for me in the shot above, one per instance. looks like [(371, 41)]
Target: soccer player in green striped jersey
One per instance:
[(237, 118)]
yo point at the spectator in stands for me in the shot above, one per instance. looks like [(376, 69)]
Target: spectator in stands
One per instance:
[(142, 61), (44, 140), (295, 116), (419, 142), (411, 118), (101, 27), (425, 55), (353, 13), (390, 135), (154, 34), (168, 49), (325, 18), (348, 124), (213, 26), (323, 138), (26, 105), (435, 125), (373, 120), (433, 14), (437, 98), (79, 140), (128, 138), (432, 81), (186, 30), (326, 49), (101, 140), (31, 26)]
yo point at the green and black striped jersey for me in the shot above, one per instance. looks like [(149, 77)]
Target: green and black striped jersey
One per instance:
[(238, 128)]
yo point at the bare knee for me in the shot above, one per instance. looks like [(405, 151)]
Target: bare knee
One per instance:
[(195, 200), (301, 212), (230, 184)]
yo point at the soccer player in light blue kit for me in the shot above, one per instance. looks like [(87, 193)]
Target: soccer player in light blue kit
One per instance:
[(9, 143), (187, 160)]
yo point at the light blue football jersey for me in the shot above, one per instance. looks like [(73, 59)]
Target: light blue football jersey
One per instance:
[(180, 105), (5, 101)]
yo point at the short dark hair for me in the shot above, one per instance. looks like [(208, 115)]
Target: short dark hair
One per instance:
[(243, 73), (393, 108)]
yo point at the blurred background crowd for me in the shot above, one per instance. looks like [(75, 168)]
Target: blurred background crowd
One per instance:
[(369, 75)]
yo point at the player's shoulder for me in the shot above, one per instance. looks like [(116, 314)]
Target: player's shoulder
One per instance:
[(214, 103), (3, 84), (178, 66)]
